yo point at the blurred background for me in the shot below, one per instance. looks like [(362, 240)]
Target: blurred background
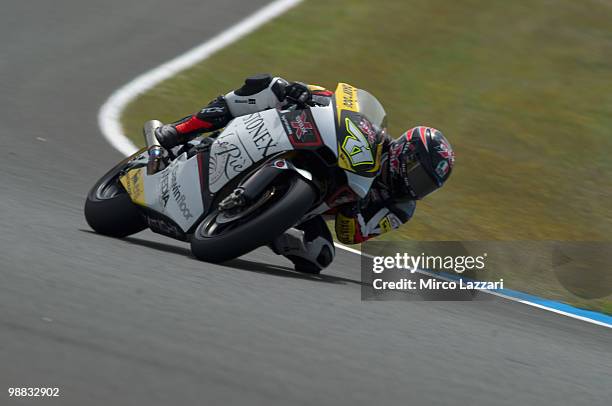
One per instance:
[(522, 90)]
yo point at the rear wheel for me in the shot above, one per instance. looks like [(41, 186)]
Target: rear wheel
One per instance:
[(109, 210), (223, 236)]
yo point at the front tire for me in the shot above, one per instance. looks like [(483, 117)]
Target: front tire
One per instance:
[(259, 229), (109, 210)]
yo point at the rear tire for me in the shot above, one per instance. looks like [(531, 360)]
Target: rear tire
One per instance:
[(109, 210), (276, 218)]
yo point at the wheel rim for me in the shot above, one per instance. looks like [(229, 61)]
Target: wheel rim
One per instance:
[(219, 223), (109, 189)]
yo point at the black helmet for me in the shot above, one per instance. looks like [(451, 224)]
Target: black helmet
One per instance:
[(420, 161)]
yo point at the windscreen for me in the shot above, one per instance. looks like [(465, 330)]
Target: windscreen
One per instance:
[(370, 107)]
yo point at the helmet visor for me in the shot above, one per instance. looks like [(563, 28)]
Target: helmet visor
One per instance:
[(419, 182)]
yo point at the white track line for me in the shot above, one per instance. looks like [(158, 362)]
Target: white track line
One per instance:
[(110, 112), (499, 294), (109, 116)]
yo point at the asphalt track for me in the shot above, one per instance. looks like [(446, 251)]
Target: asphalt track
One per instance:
[(140, 321)]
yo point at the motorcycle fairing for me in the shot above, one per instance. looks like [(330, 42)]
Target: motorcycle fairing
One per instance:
[(359, 149), (346, 99), (174, 191), (245, 141), (324, 119), (133, 182)]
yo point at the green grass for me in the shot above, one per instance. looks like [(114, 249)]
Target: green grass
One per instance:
[(522, 89)]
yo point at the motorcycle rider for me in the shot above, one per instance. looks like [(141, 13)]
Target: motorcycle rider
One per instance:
[(412, 166)]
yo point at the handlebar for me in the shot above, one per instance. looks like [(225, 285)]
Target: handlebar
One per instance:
[(295, 104)]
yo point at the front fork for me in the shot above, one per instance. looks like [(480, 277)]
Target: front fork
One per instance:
[(156, 151)]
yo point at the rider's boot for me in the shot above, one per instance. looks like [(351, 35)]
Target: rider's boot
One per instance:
[(309, 246), (169, 137), (214, 116)]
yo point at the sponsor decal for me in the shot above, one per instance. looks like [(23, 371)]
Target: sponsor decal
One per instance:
[(349, 97), (446, 152), (301, 125), (385, 225), (212, 110), (442, 168), (245, 101), (346, 228), (301, 129), (179, 196), (133, 182), (164, 189), (346, 98), (246, 140), (285, 122), (227, 159), (256, 127)]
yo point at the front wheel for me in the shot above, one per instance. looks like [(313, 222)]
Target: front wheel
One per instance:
[(222, 236), (109, 210)]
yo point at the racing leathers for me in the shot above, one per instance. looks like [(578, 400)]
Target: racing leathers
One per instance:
[(309, 245)]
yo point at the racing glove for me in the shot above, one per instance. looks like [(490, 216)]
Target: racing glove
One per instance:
[(298, 92)]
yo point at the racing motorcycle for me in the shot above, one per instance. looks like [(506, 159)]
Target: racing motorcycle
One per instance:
[(238, 189)]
